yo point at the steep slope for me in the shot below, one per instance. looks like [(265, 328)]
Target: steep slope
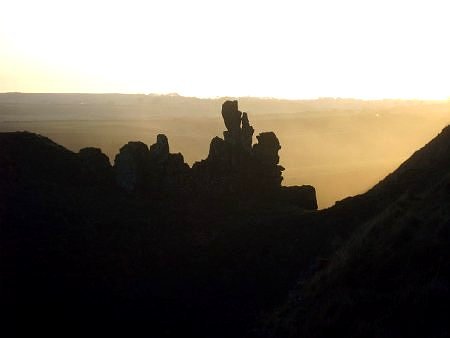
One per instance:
[(424, 168), (392, 277)]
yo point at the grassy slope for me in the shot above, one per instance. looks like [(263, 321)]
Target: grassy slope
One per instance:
[(392, 278)]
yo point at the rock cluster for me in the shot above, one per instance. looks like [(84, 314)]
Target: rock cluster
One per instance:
[(235, 167), (265, 153), (239, 131), (143, 170)]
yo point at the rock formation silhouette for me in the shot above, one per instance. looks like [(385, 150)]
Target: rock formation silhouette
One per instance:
[(96, 165), (81, 257), (234, 168), (131, 167), (147, 171)]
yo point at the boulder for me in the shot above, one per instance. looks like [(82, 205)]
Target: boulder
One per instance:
[(96, 165), (301, 196), (159, 152), (267, 170), (266, 150), (217, 150), (176, 175), (131, 167)]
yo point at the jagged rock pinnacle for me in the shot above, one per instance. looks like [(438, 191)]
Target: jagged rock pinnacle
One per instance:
[(160, 150), (232, 118), (239, 131), (246, 133), (266, 150)]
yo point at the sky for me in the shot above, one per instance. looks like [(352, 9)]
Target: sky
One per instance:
[(286, 49)]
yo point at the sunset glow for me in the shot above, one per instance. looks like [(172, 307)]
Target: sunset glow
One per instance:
[(286, 49)]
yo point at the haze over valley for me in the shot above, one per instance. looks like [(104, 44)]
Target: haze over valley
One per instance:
[(340, 146)]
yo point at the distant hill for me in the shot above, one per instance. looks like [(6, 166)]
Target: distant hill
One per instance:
[(110, 106)]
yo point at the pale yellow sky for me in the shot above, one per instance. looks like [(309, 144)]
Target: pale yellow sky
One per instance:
[(288, 49)]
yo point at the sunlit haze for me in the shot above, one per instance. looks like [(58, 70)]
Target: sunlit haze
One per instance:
[(286, 49)]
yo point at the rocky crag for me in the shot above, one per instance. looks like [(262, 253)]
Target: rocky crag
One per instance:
[(143, 170), (235, 167)]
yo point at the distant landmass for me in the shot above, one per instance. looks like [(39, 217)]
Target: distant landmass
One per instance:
[(54, 106)]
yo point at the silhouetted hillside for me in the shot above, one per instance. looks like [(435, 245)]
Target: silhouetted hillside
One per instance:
[(152, 247), (392, 277), (149, 244)]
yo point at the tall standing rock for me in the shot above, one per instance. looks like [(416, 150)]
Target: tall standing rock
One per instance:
[(131, 167), (232, 118), (168, 172), (266, 150), (233, 166), (159, 151), (246, 133), (266, 154)]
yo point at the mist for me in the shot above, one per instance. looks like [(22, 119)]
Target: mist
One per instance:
[(340, 146)]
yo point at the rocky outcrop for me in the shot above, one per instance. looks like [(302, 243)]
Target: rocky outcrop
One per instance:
[(232, 118), (301, 196), (96, 165), (239, 131), (159, 152), (246, 133), (176, 177), (234, 168), (265, 153), (149, 171), (131, 167)]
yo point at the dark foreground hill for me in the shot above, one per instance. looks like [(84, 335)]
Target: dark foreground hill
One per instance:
[(143, 249), (392, 277)]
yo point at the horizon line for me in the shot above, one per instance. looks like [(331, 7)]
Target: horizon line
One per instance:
[(316, 98)]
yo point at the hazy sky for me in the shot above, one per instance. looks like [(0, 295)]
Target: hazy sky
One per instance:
[(290, 49)]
